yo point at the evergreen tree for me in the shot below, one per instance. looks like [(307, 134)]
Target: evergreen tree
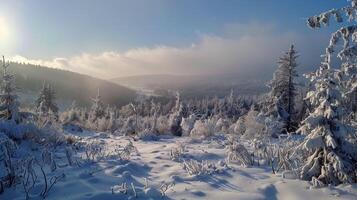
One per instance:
[(283, 90), (97, 110), (8, 99), (45, 103), (154, 113), (330, 141), (176, 117)]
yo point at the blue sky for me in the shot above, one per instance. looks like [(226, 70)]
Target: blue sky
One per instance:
[(47, 30)]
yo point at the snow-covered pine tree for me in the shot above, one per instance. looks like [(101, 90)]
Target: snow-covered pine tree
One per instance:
[(330, 139), (176, 117), (8, 99), (177, 101), (135, 123), (154, 114), (239, 126), (331, 142), (348, 34), (187, 124), (45, 103), (97, 110), (108, 121), (283, 90), (229, 106)]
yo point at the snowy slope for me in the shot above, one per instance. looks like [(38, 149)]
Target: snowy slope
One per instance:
[(153, 166)]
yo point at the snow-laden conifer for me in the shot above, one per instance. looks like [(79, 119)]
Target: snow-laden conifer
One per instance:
[(176, 116), (46, 102), (283, 90), (9, 105), (97, 110), (330, 139)]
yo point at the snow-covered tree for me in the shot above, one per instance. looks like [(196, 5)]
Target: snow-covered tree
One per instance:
[(176, 117), (107, 122), (254, 125), (330, 140), (45, 103), (187, 124), (129, 127), (8, 99), (222, 125), (154, 114), (134, 109), (348, 34), (239, 126), (97, 110), (283, 89), (204, 128)]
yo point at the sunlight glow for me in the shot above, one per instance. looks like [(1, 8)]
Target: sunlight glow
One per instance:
[(4, 30), (8, 37)]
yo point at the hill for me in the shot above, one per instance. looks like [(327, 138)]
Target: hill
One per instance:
[(69, 86)]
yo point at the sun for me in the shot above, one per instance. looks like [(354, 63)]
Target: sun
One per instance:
[(4, 30), (7, 36)]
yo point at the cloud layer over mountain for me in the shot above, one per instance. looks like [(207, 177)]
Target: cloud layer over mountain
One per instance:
[(243, 48)]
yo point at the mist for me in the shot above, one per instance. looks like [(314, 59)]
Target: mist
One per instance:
[(245, 49)]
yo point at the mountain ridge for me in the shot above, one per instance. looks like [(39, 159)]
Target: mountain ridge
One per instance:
[(69, 86)]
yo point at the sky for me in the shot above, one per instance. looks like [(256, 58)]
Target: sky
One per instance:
[(115, 38)]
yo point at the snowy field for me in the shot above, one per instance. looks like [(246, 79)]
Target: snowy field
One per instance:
[(154, 172)]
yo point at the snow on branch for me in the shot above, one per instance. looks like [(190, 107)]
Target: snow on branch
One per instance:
[(324, 18)]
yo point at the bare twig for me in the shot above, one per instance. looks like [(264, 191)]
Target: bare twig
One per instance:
[(134, 190), (165, 187)]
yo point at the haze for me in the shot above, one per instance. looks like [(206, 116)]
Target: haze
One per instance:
[(125, 38)]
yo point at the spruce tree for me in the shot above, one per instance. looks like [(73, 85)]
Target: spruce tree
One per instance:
[(283, 89), (176, 116), (330, 140), (8, 99), (46, 101), (97, 110)]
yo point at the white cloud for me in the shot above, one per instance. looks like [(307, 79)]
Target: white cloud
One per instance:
[(243, 48)]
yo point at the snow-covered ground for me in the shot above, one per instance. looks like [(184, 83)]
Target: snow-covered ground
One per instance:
[(152, 168)]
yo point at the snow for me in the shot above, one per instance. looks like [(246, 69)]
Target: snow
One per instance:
[(151, 172)]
